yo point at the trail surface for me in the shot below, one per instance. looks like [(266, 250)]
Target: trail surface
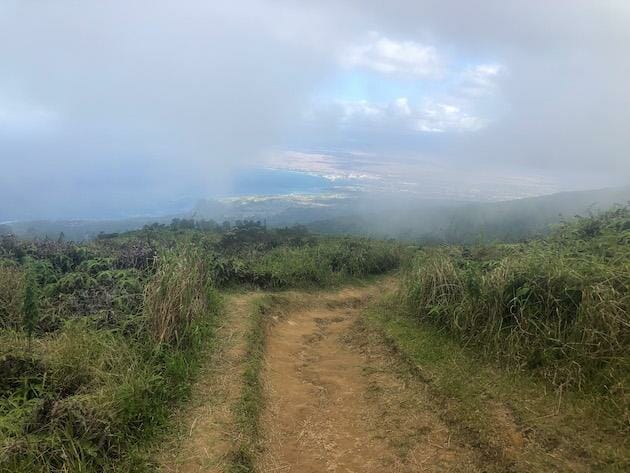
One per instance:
[(338, 398), (335, 406)]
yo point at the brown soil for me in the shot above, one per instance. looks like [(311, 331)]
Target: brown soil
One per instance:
[(206, 427), (339, 399), (333, 406)]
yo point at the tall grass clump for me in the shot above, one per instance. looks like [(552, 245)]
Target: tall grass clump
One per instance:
[(177, 295), (11, 295), (559, 307), (30, 305)]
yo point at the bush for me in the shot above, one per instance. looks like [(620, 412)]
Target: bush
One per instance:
[(560, 307)]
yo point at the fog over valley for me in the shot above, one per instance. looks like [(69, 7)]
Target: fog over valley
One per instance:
[(115, 111)]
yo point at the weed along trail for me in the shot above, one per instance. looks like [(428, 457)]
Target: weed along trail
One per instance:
[(207, 427), (332, 406)]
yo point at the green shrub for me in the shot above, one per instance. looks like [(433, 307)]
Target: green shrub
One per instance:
[(96, 266), (71, 283), (560, 307), (30, 305), (128, 280)]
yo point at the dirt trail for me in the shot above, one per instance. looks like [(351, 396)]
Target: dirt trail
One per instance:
[(338, 399), (206, 427), (333, 406)]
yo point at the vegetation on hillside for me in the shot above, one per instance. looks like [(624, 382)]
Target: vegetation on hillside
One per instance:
[(99, 339), (250, 254), (95, 379), (558, 307)]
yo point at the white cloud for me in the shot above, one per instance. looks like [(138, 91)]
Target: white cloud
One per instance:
[(442, 117), (361, 109), (401, 106), (400, 115), (451, 107), (481, 79), (387, 56)]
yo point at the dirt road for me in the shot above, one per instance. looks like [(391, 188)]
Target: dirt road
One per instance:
[(336, 406), (337, 398)]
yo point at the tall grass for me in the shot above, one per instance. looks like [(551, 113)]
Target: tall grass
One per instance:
[(85, 394), (559, 307), (72, 410), (11, 296), (176, 295), (324, 263)]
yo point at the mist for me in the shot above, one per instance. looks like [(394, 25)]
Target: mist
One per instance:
[(117, 109)]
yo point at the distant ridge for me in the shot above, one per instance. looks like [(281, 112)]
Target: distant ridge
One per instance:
[(379, 215), (442, 222)]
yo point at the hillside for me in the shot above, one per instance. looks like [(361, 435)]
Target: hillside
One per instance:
[(99, 340), (243, 348), (457, 222), (378, 215)]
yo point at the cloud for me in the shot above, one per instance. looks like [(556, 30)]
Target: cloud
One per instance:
[(384, 55), (564, 100), (452, 108), (445, 96), (440, 117), (178, 96), (133, 105), (480, 80), (400, 115)]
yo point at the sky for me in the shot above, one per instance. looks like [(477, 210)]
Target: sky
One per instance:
[(123, 108)]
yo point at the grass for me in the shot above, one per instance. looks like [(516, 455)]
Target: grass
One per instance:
[(86, 394), (327, 263), (323, 262), (179, 292), (559, 308), (99, 397), (483, 403), (122, 321), (251, 402), (11, 290)]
